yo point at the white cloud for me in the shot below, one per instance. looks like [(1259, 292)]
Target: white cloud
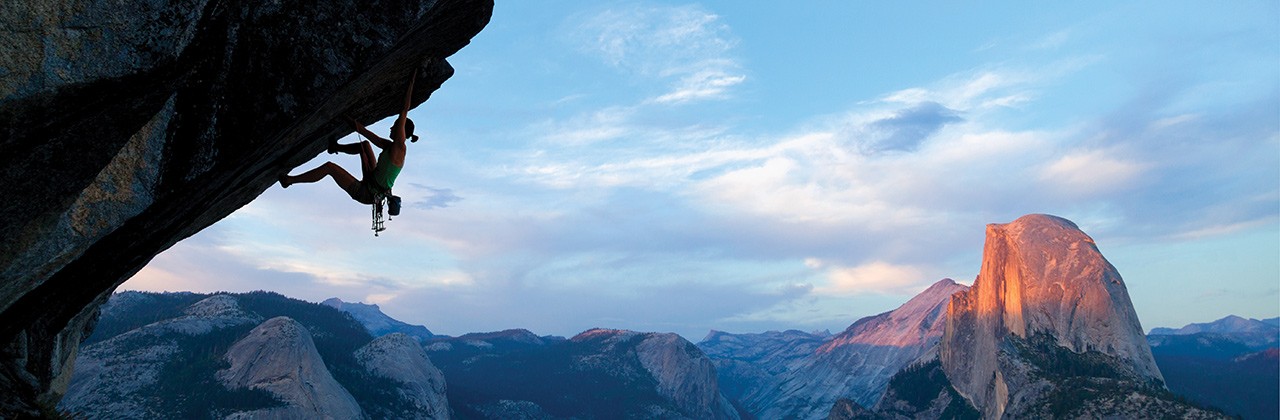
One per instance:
[(872, 277), (1091, 173)]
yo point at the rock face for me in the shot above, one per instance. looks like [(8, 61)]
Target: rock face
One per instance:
[(128, 126), (684, 375), (279, 357), (378, 323), (111, 377), (1041, 277), (804, 376), (400, 358), (747, 363)]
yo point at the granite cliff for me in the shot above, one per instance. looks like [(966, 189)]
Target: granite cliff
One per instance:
[(1044, 279), (400, 358), (1046, 331), (130, 125), (279, 357)]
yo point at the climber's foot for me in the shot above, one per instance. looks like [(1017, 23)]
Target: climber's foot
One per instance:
[(284, 181)]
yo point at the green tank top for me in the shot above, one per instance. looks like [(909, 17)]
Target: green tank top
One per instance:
[(384, 175)]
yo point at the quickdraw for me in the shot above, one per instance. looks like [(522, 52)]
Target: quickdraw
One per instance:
[(379, 198)]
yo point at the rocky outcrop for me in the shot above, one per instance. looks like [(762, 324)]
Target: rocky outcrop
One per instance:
[(684, 375), (1043, 285), (400, 358), (846, 409), (111, 376), (128, 126), (279, 357), (804, 378)]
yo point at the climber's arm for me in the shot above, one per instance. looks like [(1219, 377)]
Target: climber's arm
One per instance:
[(373, 138), (398, 133)]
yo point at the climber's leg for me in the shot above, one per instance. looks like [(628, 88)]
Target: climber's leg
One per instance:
[(350, 148), (348, 183), (368, 160)]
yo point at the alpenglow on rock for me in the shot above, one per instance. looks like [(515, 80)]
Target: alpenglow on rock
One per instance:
[(1040, 276), (129, 125)]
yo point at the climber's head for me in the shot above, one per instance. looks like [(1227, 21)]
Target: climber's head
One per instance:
[(408, 130)]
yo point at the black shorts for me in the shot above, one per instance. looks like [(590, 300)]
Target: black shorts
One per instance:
[(363, 193)]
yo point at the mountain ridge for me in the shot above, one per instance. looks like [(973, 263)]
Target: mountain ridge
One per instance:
[(377, 322), (802, 375)]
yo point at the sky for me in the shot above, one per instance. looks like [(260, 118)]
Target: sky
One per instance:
[(748, 166)]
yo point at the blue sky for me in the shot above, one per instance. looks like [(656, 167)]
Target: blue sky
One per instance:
[(745, 166)]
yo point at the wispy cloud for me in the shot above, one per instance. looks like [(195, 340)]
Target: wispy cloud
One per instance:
[(686, 46), (705, 84)]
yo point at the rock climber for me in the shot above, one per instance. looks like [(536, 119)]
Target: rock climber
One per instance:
[(378, 173)]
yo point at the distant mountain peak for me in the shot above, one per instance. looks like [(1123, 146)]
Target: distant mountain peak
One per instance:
[(377, 322)]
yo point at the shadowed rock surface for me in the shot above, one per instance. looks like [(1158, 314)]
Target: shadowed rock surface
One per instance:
[(1232, 364), (600, 373), (130, 125), (116, 378), (802, 376), (400, 358), (165, 355), (279, 357)]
